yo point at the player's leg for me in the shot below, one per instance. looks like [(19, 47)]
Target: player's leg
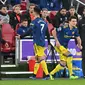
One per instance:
[(60, 66), (69, 65), (64, 51), (36, 66), (68, 57), (41, 59), (44, 67)]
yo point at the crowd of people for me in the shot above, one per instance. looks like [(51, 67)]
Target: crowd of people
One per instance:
[(66, 25)]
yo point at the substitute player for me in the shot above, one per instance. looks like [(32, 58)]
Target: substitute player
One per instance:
[(64, 34)]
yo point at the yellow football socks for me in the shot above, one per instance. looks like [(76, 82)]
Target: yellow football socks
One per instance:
[(44, 67), (69, 65), (57, 68), (36, 67)]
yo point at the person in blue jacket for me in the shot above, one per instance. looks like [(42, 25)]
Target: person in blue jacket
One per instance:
[(23, 28)]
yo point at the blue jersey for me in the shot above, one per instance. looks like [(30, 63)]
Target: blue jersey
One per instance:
[(38, 27), (64, 34), (21, 30)]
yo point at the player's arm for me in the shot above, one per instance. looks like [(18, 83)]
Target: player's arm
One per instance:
[(78, 39), (54, 33), (28, 31), (79, 42)]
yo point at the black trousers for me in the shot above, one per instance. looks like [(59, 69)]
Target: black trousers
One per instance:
[(83, 61)]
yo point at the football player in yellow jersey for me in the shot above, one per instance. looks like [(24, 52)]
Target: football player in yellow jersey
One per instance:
[(62, 36)]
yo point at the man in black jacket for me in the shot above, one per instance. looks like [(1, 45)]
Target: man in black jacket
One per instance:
[(60, 17), (81, 27), (15, 16)]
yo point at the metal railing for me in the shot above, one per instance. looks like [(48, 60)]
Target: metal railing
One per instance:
[(79, 2)]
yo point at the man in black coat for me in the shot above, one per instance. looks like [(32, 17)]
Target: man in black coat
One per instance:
[(60, 17), (15, 16)]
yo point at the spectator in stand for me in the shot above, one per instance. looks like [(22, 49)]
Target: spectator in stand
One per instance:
[(29, 13), (81, 26), (15, 16), (72, 12), (45, 16), (23, 28), (4, 17), (31, 10), (60, 17)]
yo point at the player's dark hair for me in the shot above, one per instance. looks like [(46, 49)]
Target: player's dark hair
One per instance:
[(44, 9), (72, 7), (72, 17), (32, 4), (24, 19), (1, 6), (62, 8), (37, 10)]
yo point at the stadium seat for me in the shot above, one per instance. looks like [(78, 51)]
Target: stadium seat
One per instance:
[(50, 28), (8, 35), (52, 14), (23, 5)]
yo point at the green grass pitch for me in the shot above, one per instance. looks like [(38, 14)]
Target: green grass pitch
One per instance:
[(43, 82)]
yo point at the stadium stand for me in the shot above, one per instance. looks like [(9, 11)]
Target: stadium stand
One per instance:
[(8, 35)]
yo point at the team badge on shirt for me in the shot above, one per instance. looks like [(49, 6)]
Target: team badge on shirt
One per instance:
[(73, 32)]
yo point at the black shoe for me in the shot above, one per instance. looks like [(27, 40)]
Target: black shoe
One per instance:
[(47, 77), (33, 77)]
